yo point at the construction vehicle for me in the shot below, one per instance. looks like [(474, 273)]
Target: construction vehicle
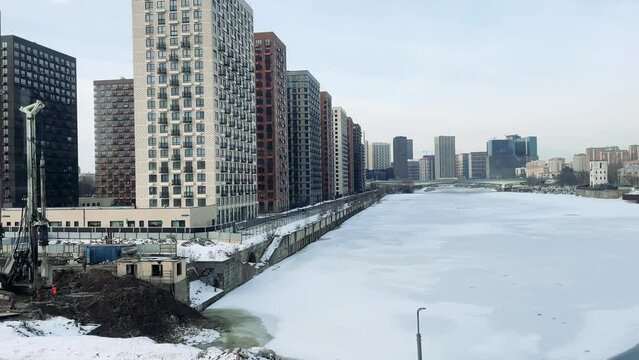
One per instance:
[(22, 268)]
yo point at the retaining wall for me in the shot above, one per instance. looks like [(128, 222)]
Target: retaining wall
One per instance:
[(237, 270)]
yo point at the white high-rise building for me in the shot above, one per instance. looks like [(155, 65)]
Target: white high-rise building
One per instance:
[(380, 154), (195, 106), (598, 173), (340, 137)]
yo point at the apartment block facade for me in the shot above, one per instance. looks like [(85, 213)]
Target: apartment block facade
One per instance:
[(380, 155), (359, 163), (427, 168), (272, 123), (114, 140), (33, 72), (445, 157), (477, 162), (328, 146), (340, 142), (195, 130), (463, 166), (400, 157), (304, 118)]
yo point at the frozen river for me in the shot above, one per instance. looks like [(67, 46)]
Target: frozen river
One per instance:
[(502, 275)]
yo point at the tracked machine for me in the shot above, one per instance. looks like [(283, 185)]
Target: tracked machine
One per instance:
[(23, 271)]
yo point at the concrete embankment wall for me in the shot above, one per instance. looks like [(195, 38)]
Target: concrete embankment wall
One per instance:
[(241, 267), (601, 194)]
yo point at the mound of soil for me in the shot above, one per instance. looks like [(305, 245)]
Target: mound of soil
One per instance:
[(122, 306)]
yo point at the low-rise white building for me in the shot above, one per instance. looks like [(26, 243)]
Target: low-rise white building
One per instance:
[(598, 173), (168, 273)]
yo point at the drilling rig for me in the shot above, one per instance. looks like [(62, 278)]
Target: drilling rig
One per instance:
[(22, 270)]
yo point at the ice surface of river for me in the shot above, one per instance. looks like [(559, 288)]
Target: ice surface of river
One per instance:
[(503, 276)]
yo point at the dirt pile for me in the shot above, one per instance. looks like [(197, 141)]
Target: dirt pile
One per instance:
[(123, 307)]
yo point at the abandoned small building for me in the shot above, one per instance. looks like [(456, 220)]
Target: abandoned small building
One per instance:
[(168, 273)]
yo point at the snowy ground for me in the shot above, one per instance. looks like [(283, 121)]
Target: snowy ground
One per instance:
[(503, 276), (62, 339), (200, 292), (221, 251)]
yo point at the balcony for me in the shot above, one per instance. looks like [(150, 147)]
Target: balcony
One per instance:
[(175, 133), (188, 194), (175, 107), (188, 170), (164, 145), (163, 121), (164, 170), (187, 95), (162, 71), (162, 96), (186, 70), (161, 46), (173, 58), (185, 44), (174, 82), (164, 195)]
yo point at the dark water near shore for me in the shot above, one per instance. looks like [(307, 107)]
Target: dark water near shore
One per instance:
[(239, 329)]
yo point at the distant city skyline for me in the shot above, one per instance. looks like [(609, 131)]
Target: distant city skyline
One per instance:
[(563, 71)]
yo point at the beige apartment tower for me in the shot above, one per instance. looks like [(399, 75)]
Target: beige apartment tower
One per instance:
[(340, 145), (195, 125)]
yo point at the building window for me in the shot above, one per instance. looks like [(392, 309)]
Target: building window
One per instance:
[(156, 270), (179, 269), (131, 269), (155, 223), (94, 224)]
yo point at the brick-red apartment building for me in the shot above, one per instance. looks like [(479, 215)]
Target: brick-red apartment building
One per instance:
[(272, 123)]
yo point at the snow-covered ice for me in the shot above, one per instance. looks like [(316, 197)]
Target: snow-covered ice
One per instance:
[(503, 276)]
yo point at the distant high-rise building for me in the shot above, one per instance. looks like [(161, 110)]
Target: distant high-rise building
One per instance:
[(598, 173), (195, 122), (537, 169), (328, 146), (340, 137), (359, 164), (413, 170), (504, 156), (555, 166), (409, 149), (581, 167), (304, 119), (427, 167), (380, 154), (611, 154), (400, 157), (580, 163), (272, 124), (477, 163), (351, 156), (114, 141), (445, 157), (33, 72), (633, 151), (366, 157), (463, 166)]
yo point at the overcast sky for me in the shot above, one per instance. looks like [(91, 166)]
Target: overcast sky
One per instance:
[(564, 70)]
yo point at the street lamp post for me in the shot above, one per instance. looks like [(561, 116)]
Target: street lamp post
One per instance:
[(419, 336)]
